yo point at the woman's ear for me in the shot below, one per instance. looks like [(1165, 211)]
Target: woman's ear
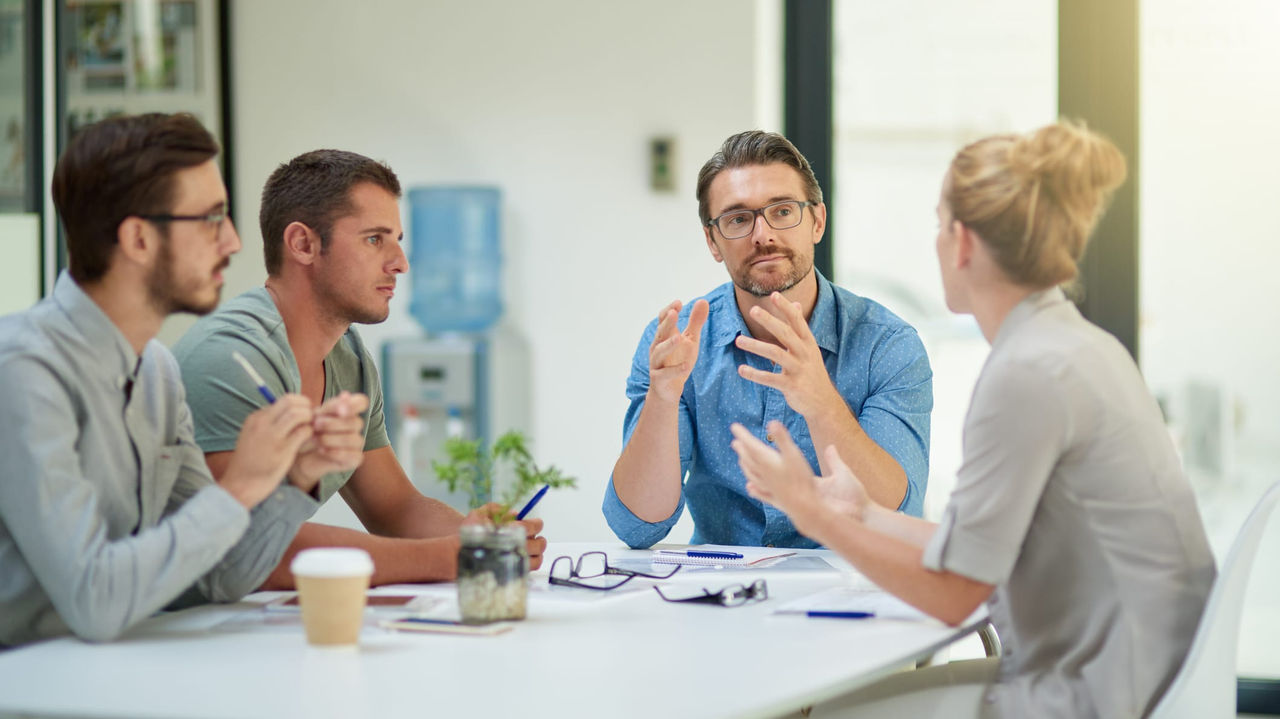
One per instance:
[(965, 244)]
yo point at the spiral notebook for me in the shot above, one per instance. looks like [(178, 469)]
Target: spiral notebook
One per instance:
[(718, 556)]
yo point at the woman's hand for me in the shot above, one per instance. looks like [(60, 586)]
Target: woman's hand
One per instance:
[(784, 478)]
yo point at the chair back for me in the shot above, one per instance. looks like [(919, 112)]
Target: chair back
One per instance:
[(1205, 686)]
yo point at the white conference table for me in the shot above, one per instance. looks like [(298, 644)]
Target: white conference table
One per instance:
[(626, 656)]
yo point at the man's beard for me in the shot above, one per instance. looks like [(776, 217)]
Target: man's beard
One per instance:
[(164, 292), (800, 268), (339, 305)]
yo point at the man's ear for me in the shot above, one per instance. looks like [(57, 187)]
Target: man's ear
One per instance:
[(711, 244), (819, 221), (301, 243), (138, 240)]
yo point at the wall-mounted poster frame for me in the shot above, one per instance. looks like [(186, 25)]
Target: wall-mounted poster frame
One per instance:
[(117, 57)]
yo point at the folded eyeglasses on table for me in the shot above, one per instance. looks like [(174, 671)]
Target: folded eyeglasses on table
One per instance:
[(566, 572), (731, 596)]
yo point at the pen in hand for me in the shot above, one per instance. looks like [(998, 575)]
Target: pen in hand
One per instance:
[(528, 507), (253, 375)]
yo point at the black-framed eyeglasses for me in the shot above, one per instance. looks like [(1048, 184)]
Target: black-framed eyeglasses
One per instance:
[(213, 219), (565, 572), (780, 216), (732, 596)]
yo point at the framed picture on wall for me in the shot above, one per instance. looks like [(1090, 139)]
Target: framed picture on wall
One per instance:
[(118, 57)]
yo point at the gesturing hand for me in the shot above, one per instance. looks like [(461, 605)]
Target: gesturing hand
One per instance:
[(337, 443), (784, 478), (803, 381), (673, 353)]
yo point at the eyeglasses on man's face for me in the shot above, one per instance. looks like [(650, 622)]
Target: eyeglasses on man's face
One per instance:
[(213, 219), (566, 572), (740, 223), (731, 596)]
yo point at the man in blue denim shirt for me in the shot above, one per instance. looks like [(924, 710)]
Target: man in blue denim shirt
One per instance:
[(778, 342)]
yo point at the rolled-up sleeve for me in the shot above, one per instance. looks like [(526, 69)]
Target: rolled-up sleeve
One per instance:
[(896, 412), (1017, 428)]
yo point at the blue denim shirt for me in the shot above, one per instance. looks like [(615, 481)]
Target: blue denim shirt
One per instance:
[(875, 360)]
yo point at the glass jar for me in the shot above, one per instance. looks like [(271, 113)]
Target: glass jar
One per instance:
[(493, 568)]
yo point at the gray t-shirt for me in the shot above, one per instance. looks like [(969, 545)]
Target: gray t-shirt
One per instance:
[(107, 509), (1072, 501), (221, 394)]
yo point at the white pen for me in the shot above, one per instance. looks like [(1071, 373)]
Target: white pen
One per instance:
[(253, 375)]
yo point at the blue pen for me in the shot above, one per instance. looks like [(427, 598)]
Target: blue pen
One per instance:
[(702, 553), (253, 375), (428, 620), (841, 615), (528, 507)]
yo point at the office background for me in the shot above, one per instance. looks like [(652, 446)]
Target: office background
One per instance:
[(557, 101)]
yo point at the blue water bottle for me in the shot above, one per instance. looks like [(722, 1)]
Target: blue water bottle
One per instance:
[(456, 264)]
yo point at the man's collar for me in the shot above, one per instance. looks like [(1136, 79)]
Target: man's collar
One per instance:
[(117, 358), (822, 322)]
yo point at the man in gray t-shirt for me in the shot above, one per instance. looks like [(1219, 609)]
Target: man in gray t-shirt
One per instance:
[(108, 512), (331, 239)]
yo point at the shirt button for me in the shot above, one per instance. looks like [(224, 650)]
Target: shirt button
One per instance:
[(768, 438)]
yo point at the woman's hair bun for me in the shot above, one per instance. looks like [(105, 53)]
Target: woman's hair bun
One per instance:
[(1034, 199)]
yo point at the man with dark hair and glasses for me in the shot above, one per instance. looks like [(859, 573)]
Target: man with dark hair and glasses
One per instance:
[(108, 512), (331, 240), (777, 342)]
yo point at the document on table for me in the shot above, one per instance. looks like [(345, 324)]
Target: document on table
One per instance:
[(693, 559), (853, 599)]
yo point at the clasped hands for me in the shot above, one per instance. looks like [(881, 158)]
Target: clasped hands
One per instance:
[(336, 443), (290, 437)]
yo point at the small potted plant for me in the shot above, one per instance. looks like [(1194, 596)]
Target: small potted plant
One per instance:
[(492, 562)]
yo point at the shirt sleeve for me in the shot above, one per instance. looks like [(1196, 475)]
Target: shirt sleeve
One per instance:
[(1017, 428), (99, 587), (896, 412), (220, 393), (273, 523), (635, 532)]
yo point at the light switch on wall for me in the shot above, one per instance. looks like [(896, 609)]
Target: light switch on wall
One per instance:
[(662, 151)]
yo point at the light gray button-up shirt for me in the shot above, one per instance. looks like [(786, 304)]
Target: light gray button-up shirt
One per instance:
[(1072, 501), (107, 509)]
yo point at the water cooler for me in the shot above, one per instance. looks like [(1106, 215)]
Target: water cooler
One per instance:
[(467, 377)]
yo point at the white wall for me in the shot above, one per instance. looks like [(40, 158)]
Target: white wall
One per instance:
[(1209, 247), (552, 101)]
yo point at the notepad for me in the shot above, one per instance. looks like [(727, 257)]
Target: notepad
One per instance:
[(753, 558), (853, 599)]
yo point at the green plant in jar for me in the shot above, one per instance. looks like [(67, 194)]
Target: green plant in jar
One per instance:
[(493, 565), (471, 467)]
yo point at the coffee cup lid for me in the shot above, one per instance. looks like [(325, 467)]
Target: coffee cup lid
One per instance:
[(332, 562)]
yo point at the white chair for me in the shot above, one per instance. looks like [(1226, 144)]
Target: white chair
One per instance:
[(1205, 686)]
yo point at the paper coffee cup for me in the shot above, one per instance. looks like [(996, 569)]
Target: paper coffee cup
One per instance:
[(331, 589)]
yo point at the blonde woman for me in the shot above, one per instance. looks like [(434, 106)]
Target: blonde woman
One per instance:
[(1071, 517)]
